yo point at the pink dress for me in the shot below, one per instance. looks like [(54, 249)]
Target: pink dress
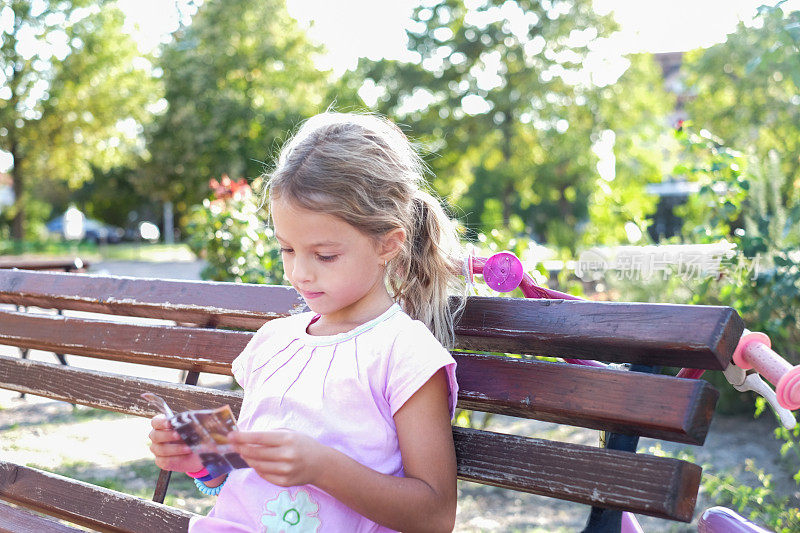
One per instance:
[(343, 390)]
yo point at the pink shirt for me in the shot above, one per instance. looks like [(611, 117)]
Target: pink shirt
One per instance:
[(342, 390)]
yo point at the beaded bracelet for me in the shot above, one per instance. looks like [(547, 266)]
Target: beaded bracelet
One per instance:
[(209, 491)]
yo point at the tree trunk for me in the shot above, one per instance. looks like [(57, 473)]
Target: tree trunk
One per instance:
[(18, 226), (508, 190)]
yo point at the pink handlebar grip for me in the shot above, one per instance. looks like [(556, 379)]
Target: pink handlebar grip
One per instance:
[(755, 351)]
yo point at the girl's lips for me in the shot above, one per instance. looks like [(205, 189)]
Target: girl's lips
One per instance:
[(307, 294)]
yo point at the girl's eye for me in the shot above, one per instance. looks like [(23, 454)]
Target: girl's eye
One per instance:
[(286, 250), (327, 258)]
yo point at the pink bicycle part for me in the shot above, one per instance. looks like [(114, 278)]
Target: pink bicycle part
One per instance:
[(716, 519), (755, 351), (722, 519), (503, 272), (531, 290)]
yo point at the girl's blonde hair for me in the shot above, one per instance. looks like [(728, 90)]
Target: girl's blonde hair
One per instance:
[(363, 170)]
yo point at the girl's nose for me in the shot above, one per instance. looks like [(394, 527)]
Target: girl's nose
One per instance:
[(301, 270)]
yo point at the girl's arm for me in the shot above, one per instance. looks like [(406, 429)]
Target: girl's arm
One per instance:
[(424, 500)]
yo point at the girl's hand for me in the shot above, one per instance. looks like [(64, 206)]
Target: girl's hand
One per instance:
[(283, 457), (170, 451)]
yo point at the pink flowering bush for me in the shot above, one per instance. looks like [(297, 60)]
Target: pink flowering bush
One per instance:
[(230, 232)]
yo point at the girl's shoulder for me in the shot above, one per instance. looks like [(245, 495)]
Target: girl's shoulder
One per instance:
[(405, 331)]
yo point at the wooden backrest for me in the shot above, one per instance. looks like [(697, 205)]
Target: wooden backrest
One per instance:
[(633, 403), (67, 264)]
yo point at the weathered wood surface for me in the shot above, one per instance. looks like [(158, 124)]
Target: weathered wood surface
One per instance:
[(18, 520), (659, 334), (86, 504), (105, 390), (245, 306), (638, 404), (197, 349), (632, 403), (644, 484), (656, 486), (692, 336), (70, 264)]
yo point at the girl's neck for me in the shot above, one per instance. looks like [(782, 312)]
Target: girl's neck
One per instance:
[(333, 324)]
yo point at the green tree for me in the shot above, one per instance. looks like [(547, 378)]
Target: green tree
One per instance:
[(75, 94), (747, 89), (631, 118), (493, 96), (237, 79)]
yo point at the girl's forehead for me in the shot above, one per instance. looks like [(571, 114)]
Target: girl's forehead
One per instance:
[(309, 227)]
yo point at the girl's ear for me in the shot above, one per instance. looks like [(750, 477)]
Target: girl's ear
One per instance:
[(391, 244)]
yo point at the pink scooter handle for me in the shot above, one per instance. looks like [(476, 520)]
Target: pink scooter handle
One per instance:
[(755, 351)]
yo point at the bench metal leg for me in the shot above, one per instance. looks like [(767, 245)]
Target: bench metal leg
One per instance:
[(61, 357), (610, 520), (24, 351), (164, 476)]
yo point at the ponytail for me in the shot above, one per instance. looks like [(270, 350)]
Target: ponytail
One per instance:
[(428, 266)]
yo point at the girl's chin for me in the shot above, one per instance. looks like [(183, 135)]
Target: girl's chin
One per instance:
[(315, 305)]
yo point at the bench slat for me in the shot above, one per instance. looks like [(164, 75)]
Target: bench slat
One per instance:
[(30, 263), (677, 410), (632, 403), (195, 349), (583, 474), (644, 484), (18, 520), (104, 390), (86, 504), (695, 336), (658, 334), (235, 304)]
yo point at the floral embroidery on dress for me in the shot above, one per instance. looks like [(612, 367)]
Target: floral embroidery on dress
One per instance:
[(287, 514)]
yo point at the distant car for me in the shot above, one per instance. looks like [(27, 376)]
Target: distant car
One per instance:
[(142, 231), (95, 230)]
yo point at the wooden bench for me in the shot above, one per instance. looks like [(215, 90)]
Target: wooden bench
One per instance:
[(50, 264), (627, 403), (66, 264)]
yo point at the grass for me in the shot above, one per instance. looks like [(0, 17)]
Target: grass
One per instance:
[(104, 252), (78, 414)]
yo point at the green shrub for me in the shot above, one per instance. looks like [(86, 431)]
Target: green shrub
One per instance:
[(229, 231)]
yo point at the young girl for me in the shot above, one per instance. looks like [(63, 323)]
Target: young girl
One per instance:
[(346, 415)]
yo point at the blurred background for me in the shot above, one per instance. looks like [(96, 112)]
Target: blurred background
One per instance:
[(138, 131)]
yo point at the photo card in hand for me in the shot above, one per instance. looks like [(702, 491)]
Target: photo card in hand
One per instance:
[(205, 431)]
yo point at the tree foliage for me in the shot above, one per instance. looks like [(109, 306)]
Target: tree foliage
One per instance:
[(237, 79), (747, 89), (74, 99), (499, 97), (632, 112)]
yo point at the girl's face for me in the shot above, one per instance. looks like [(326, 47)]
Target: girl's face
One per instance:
[(336, 268)]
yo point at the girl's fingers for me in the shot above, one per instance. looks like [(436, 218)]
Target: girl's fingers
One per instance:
[(271, 454), (178, 464), (164, 435), (262, 438), (170, 449), (270, 468), (160, 422)]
